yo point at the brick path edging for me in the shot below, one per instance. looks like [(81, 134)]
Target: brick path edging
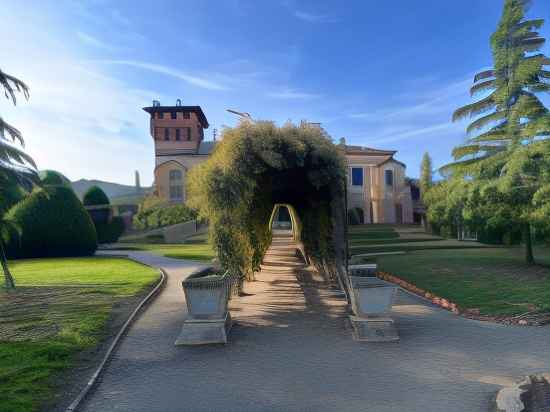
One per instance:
[(451, 306)]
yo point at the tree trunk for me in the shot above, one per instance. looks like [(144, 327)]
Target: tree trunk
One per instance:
[(9, 282), (529, 259)]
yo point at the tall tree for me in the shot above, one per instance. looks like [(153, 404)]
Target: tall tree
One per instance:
[(16, 167), (426, 178), (426, 181), (511, 123)]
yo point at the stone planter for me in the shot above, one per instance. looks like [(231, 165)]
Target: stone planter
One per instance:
[(208, 319), (368, 269), (371, 301)]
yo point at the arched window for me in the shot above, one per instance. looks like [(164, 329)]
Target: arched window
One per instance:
[(176, 184)]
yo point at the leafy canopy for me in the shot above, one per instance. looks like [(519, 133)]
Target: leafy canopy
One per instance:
[(258, 165)]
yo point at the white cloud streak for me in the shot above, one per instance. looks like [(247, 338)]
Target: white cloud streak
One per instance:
[(313, 18), (170, 71), (290, 94)]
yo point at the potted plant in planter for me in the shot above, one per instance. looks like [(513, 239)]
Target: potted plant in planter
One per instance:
[(208, 321), (371, 300)]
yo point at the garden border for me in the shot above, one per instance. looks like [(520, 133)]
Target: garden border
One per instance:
[(77, 402), (450, 306)]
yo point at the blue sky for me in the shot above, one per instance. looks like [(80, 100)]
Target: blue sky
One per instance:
[(385, 74)]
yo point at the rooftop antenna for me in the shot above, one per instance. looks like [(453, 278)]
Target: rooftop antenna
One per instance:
[(178, 103), (156, 103), (243, 115)]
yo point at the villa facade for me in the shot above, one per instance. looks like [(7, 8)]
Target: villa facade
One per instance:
[(377, 188)]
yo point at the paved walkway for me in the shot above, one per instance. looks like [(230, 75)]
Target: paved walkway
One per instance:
[(292, 350)]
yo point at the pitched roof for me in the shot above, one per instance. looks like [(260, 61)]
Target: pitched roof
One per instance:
[(368, 151), (188, 109)]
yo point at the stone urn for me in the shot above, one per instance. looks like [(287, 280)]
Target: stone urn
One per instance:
[(208, 320), (367, 269), (371, 300)]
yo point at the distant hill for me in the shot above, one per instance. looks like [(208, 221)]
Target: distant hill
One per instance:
[(117, 193)]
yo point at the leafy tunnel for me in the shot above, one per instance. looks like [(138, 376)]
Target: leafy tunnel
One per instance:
[(259, 165)]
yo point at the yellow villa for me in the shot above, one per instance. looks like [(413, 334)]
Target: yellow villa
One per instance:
[(377, 189)]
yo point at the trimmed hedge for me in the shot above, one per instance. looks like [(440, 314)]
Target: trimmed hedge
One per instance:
[(95, 196), (153, 213), (111, 231), (53, 178), (51, 221)]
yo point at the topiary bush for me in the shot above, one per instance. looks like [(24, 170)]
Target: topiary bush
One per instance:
[(95, 196), (51, 221), (154, 213), (53, 178), (111, 231)]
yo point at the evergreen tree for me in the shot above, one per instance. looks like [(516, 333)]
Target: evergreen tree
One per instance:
[(512, 124), (426, 179)]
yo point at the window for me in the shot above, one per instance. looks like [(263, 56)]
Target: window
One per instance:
[(186, 115), (160, 115), (178, 131), (176, 184), (357, 176), (166, 134), (188, 130), (389, 177), (174, 115)]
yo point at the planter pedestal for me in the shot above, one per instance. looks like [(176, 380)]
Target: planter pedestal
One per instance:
[(373, 329), (204, 331)]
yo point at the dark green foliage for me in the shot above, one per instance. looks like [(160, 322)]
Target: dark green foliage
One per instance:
[(10, 193), (256, 166), (154, 213), (51, 222), (506, 156), (353, 217), (53, 178), (111, 231), (95, 196)]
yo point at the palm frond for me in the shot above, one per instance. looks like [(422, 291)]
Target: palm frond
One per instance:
[(12, 84), (475, 109), (483, 86), (12, 132), (484, 121), (484, 75), (9, 151), (461, 164), (533, 24), (532, 44)]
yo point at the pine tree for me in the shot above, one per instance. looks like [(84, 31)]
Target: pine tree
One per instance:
[(426, 179), (512, 124)]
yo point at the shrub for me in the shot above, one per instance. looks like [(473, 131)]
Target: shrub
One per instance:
[(51, 222), (95, 196), (53, 178), (353, 217), (111, 231), (154, 213)]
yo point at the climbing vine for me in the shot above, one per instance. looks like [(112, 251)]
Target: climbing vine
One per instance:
[(254, 167)]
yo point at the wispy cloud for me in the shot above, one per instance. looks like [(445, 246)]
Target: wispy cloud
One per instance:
[(290, 94), (313, 18), (414, 132), (170, 71), (94, 41)]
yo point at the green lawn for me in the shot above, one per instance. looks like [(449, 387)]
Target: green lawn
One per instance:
[(195, 248), (493, 280), (60, 308)]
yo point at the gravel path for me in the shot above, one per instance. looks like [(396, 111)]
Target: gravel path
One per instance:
[(291, 350)]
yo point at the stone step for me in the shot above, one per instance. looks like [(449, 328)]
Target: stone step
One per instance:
[(280, 269), (275, 264), (281, 260), (283, 242)]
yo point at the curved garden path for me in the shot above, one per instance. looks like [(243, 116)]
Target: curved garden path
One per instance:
[(292, 350)]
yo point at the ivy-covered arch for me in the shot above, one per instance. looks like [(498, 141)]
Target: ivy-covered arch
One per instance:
[(257, 166)]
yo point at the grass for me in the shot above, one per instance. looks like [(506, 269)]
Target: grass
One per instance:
[(60, 308), (195, 248), (494, 280)]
